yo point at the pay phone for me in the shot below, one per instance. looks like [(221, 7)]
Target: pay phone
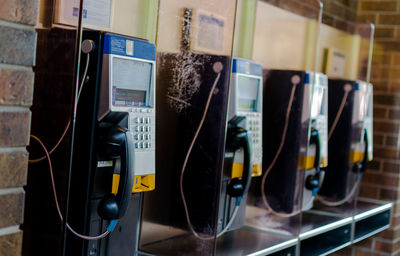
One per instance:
[(114, 146), (317, 155), (294, 132), (245, 160), (350, 139)]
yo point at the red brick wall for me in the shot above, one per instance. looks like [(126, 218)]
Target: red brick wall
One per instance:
[(383, 178), (336, 12), (17, 56)]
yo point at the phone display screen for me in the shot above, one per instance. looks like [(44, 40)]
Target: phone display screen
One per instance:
[(248, 90), (131, 81), (318, 106)]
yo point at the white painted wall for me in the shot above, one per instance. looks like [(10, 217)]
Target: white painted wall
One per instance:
[(279, 38)]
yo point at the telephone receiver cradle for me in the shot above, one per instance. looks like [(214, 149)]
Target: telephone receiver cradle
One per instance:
[(361, 167), (313, 181), (238, 138), (119, 144)]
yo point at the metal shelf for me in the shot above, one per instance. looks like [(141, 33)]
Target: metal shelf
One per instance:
[(249, 241), (323, 231), (326, 230), (370, 220), (323, 234)]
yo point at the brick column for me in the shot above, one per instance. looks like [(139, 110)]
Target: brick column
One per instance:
[(336, 12), (17, 56)]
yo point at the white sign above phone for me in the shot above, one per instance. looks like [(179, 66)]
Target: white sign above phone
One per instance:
[(95, 12)]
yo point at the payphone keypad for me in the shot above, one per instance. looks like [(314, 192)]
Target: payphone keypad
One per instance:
[(254, 126), (141, 123)]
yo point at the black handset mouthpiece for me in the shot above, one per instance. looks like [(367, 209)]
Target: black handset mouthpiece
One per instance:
[(114, 206), (108, 208), (238, 138)]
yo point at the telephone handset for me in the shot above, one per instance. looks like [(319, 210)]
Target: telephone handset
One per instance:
[(313, 181), (114, 206), (238, 138), (361, 167), (315, 139)]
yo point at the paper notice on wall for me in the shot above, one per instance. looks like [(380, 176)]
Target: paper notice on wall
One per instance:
[(208, 32), (335, 63), (95, 12)]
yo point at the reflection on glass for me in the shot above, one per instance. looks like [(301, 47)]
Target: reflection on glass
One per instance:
[(194, 43), (53, 100), (285, 43)]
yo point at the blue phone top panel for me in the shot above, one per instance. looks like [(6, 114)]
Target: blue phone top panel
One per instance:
[(248, 67), (129, 47)]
